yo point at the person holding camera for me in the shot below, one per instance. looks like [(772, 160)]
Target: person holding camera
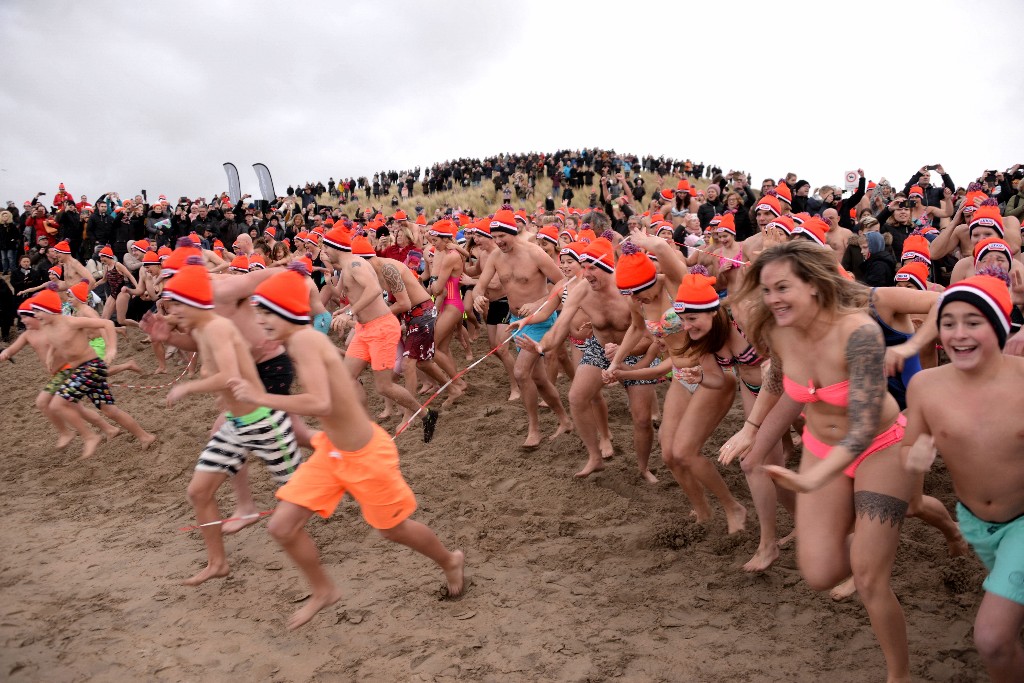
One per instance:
[(931, 196)]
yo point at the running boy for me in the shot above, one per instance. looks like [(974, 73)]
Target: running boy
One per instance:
[(352, 454)]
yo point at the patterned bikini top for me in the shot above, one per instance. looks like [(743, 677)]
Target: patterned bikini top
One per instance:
[(748, 356), (667, 325)]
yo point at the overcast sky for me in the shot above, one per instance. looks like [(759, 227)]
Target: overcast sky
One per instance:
[(157, 95)]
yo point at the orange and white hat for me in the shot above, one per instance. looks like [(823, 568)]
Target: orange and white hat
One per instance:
[(361, 247), (400, 216), (916, 191), (338, 238), (969, 198), (784, 223), (141, 246), (548, 233), (601, 254), (239, 264), (987, 217), (504, 221), (586, 235), (271, 231), (151, 258), (302, 236), (915, 273), (285, 294), (177, 258), (218, 245), (482, 228), (443, 228), (421, 219), (80, 291), (56, 271), (769, 203), (667, 195), (46, 301), (634, 272), (574, 250), (815, 229), (990, 245), (257, 262), (989, 295), (728, 223), (916, 247), (62, 247), (25, 308), (696, 294), (163, 252), (191, 286), (107, 252), (195, 239), (784, 194)]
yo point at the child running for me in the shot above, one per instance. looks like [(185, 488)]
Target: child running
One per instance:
[(351, 455)]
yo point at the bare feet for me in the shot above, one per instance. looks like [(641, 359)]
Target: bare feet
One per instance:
[(454, 392), (785, 540), (589, 469), (110, 431), (736, 518), (604, 444), (147, 440), (92, 442), (763, 558), (455, 573), (314, 605), (702, 514), (843, 590), (563, 428), (64, 439), (514, 394), (532, 441), (160, 370), (649, 477), (384, 414), (134, 367), (239, 520), (217, 571)]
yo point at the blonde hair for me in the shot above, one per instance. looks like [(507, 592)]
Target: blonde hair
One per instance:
[(6, 217), (811, 264)]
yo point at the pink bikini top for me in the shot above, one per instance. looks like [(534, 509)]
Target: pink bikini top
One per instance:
[(834, 394)]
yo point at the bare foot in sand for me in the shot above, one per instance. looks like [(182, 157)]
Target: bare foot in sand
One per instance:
[(649, 477), (309, 610), (64, 439), (763, 558), (92, 442), (384, 414), (604, 444), (702, 513), (110, 431), (147, 440), (134, 367), (218, 571), (563, 428), (454, 392), (532, 441), (736, 519), (589, 469), (427, 389), (455, 574), (957, 546), (785, 540), (160, 370), (513, 394), (239, 520), (843, 590)]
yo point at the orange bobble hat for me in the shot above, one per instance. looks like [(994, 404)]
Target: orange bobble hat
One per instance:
[(361, 247), (715, 220), (657, 218), (916, 247), (969, 198), (987, 217), (195, 239), (421, 219), (163, 252), (56, 271), (521, 216), (769, 203), (285, 294), (218, 245), (25, 308), (728, 223), (548, 233), (400, 216), (784, 194), (443, 228), (151, 258), (696, 294), (663, 227), (504, 221), (177, 258), (257, 262), (586, 235), (190, 285), (46, 301), (302, 236), (482, 228), (240, 264), (667, 195), (306, 264), (799, 218), (991, 245), (916, 191), (814, 229), (338, 238), (316, 234), (989, 295), (784, 223), (62, 247), (141, 246), (80, 291), (107, 252), (915, 273), (601, 254), (683, 185), (634, 272), (271, 231), (574, 250)]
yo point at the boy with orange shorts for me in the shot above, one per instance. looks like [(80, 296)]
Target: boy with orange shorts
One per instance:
[(352, 454)]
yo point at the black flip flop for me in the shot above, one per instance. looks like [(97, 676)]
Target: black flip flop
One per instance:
[(429, 422)]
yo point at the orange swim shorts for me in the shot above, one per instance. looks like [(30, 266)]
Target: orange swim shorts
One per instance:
[(376, 342), (370, 475)]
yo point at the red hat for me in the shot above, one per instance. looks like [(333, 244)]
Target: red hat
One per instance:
[(191, 286), (600, 253), (443, 228), (586, 235), (696, 294), (163, 253), (62, 247), (784, 194), (56, 271), (25, 308), (769, 203), (46, 301), (151, 258), (668, 194), (80, 291), (988, 217), (257, 262), (218, 245), (142, 246), (683, 185), (574, 250), (657, 217), (361, 247), (176, 261), (914, 272), (548, 233), (315, 234), (306, 263), (715, 220), (107, 252), (302, 236), (504, 221), (521, 216), (240, 264), (799, 218), (400, 216), (285, 294), (61, 186), (195, 239), (916, 191), (634, 272), (338, 238), (728, 223), (990, 245), (914, 247), (784, 223), (482, 228), (989, 295), (272, 231), (567, 232), (969, 198), (421, 219), (664, 226), (815, 229)]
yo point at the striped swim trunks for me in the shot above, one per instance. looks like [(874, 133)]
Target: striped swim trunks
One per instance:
[(263, 432)]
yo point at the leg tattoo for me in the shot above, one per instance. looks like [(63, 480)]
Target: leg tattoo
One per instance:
[(885, 508)]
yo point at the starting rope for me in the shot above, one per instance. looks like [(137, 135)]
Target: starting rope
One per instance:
[(177, 379), (219, 522)]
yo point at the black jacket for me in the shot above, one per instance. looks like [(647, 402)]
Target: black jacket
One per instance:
[(878, 270)]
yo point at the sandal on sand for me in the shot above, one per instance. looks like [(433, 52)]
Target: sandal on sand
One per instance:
[(429, 422)]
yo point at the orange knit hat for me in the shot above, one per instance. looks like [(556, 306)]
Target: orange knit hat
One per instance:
[(504, 221), (338, 238), (240, 264), (421, 219), (62, 247), (991, 245), (574, 250), (914, 247), (56, 271), (285, 294), (481, 228), (442, 228), (728, 223), (163, 253), (696, 294), (634, 272), (257, 262), (769, 203), (46, 301), (548, 233), (151, 258), (783, 223), (914, 272), (80, 291), (107, 252), (191, 286), (987, 217), (916, 191), (784, 194), (400, 216), (586, 235), (141, 246), (173, 263), (361, 247), (815, 229), (601, 254), (667, 195)]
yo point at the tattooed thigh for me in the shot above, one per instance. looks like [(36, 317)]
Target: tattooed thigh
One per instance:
[(886, 509)]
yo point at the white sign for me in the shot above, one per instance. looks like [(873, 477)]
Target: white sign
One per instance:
[(851, 181)]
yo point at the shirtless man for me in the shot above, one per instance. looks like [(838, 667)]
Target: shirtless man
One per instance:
[(248, 427), (524, 271), (610, 316), (766, 209), (73, 270), (986, 223), (961, 234), (377, 330), (728, 255), (837, 236), (985, 464), (68, 338), (353, 455)]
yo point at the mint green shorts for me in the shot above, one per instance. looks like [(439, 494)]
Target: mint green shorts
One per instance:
[(1000, 546)]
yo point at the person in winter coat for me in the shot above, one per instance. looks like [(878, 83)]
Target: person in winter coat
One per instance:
[(879, 267)]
